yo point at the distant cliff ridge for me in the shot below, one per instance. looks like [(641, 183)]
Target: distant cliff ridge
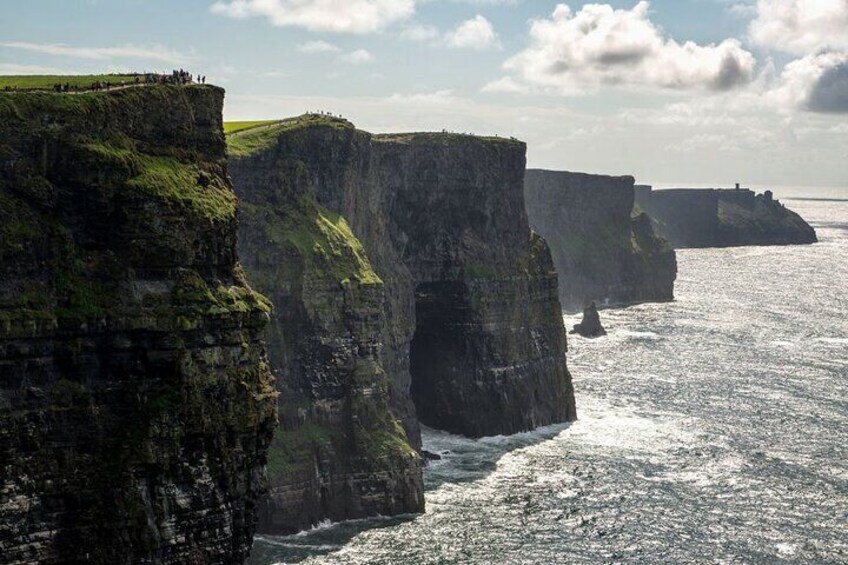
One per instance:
[(136, 403), (417, 279), (604, 251), (722, 218)]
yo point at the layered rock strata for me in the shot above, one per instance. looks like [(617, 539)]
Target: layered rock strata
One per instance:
[(136, 404), (723, 218), (340, 451), (603, 249), (465, 316)]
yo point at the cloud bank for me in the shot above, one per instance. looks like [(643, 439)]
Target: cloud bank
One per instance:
[(571, 52), (801, 27), (340, 16), (817, 30)]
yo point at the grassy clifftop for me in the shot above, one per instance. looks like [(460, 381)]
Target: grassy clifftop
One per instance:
[(245, 139), (47, 82), (448, 138), (164, 142)]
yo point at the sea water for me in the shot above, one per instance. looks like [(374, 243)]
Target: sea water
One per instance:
[(713, 429)]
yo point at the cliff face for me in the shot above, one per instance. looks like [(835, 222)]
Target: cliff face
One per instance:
[(466, 319), (341, 452), (723, 218), (604, 252), (488, 354), (135, 401)]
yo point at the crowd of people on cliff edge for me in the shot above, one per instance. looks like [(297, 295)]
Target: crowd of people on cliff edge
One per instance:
[(179, 77)]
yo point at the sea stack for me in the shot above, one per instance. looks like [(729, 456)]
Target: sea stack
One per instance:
[(591, 324)]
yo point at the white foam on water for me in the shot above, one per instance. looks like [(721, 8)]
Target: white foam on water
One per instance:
[(322, 525), (833, 340), (787, 549), (639, 335), (602, 424)]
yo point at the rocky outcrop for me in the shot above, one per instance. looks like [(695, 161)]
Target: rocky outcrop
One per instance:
[(590, 326), (722, 218), (603, 249), (135, 401), (454, 297)]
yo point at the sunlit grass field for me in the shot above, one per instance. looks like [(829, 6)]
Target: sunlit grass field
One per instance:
[(233, 127), (46, 82)]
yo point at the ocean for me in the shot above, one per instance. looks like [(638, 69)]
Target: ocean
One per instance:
[(713, 429)]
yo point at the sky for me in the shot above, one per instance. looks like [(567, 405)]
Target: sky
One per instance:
[(674, 92)]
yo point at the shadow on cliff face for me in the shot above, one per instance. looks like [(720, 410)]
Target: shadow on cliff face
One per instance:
[(463, 460)]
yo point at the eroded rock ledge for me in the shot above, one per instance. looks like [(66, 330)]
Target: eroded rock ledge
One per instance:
[(415, 277), (604, 249), (135, 401)]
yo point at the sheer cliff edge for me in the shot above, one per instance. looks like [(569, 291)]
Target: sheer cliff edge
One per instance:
[(408, 286), (605, 249), (136, 404)]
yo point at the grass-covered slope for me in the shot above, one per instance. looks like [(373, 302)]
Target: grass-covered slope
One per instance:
[(256, 137), (234, 127)]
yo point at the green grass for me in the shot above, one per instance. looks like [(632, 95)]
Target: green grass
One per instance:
[(46, 82), (326, 241), (170, 179), (252, 140), (447, 138), (233, 127)]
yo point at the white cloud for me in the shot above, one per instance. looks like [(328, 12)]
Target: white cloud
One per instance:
[(152, 53), (801, 26), (347, 16), (818, 83), (476, 33), (598, 45), (358, 57), (318, 47)]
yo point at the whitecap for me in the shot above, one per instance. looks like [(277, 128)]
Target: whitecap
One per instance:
[(833, 340)]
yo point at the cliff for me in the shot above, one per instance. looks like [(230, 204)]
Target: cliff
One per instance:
[(723, 218), (465, 319), (603, 249), (340, 452), (135, 402)]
